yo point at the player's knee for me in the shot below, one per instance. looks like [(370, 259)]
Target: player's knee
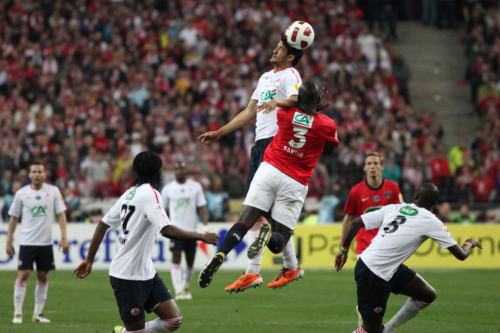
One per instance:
[(172, 324), (431, 295), (276, 243)]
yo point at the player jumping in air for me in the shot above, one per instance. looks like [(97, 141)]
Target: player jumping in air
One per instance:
[(184, 200), (280, 183), (367, 196), (402, 228), (138, 215), (276, 89)]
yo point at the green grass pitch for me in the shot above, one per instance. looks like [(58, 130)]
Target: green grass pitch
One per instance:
[(323, 301)]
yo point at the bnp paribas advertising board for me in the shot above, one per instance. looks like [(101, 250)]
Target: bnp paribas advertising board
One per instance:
[(316, 247)]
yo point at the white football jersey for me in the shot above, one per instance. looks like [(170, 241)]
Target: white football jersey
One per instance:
[(274, 85), (36, 209), (403, 228), (182, 201), (138, 215)]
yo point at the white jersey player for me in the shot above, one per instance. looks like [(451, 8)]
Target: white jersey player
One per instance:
[(139, 215), (276, 89), (380, 269), (184, 200), (35, 205)]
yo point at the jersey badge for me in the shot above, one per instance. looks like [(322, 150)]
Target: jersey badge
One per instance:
[(388, 195), (376, 198), (296, 86), (130, 195), (302, 120), (37, 197), (277, 81), (407, 210)]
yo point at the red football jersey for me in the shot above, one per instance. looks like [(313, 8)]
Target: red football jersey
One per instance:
[(299, 142), (364, 199)]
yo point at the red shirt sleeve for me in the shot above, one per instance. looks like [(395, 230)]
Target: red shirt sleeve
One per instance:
[(351, 206), (396, 194), (329, 132)]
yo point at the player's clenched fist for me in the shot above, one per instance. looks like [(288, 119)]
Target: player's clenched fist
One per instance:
[(211, 238)]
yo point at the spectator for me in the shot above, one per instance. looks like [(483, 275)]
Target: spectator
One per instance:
[(9, 199), (327, 205), (464, 215), (482, 187), (443, 213), (391, 171), (455, 156), (95, 166), (217, 202)]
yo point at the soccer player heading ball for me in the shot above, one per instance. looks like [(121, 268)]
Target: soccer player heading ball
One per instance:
[(280, 184), (138, 215)]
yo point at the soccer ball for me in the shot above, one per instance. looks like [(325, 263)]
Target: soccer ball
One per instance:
[(299, 35)]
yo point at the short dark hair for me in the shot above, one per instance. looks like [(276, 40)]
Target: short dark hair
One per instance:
[(35, 163), (147, 169), (293, 51)]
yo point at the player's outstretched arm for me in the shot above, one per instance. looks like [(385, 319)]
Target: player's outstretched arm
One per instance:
[(171, 231), (85, 268), (275, 103), (241, 119), (10, 233), (341, 257), (462, 252), (345, 225)]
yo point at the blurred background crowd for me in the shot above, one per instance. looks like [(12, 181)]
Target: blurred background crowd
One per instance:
[(86, 85)]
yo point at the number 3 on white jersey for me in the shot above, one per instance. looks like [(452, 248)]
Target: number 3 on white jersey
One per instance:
[(300, 133)]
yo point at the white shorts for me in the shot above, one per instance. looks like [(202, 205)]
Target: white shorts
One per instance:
[(273, 191)]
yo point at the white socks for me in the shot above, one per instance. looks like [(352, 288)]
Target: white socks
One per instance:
[(40, 296), (19, 293), (289, 258), (188, 273), (253, 266), (176, 274), (163, 325), (409, 310)]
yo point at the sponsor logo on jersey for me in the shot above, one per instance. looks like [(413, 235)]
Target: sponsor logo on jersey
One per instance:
[(267, 95), (130, 195), (158, 209), (372, 209), (183, 202), (296, 86), (37, 197), (364, 199), (407, 210), (376, 198), (302, 120), (387, 195), (39, 211)]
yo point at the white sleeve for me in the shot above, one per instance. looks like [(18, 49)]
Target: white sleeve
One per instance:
[(200, 197), (155, 212), (112, 218), (291, 84), (438, 232), (16, 208), (255, 95), (375, 219), (164, 197), (59, 205)]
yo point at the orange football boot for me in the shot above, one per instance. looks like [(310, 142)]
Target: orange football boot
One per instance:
[(244, 282), (285, 277)]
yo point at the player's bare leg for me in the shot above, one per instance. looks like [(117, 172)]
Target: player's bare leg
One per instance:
[(421, 296), (19, 294), (248, 217)]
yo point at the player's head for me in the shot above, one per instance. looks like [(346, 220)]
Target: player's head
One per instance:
[(308, 97), (37, 173), (427, 195), (374, 165), (180, 171), (147, 169), (284, 55)]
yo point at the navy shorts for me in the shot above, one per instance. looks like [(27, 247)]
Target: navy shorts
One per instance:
[(373, 291), (42, 255), (180, 245), (256, 158), (135, 297)]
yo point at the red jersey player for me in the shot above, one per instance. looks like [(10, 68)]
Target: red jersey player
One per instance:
[(367, 196), (280, 184)]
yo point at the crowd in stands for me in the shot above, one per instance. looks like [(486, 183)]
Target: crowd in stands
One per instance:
[(86, 85)]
